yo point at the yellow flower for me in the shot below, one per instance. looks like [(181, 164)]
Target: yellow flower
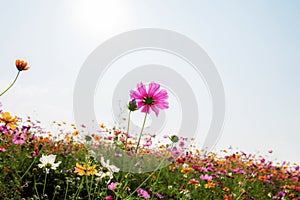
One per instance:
[(83, 170), (8, 120)]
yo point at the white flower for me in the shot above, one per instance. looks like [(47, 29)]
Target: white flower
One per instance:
[(109, 170), (185, 165), (106, 165), (105, 174), (48, 162)]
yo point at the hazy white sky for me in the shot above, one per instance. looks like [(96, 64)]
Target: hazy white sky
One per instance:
[(254, 45)]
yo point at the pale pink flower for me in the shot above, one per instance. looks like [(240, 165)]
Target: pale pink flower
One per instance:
[(112, 186), (2, 149), (151, 99)]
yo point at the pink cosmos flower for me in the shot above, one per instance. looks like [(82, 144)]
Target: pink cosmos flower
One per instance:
[(147, 143), (19, 138), (206, 177), (151, 99), (143, 193), (112, 186)]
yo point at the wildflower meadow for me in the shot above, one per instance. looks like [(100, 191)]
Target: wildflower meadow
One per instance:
[(70, 163)]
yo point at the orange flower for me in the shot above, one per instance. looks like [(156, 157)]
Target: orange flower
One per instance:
[(82, 170), (6, 170), (226, 189), (8, 120), (292, 195), (186, 170), (209, 185), (97, 138), (262, 178), (226, 197), (75, 133), (21, 65)]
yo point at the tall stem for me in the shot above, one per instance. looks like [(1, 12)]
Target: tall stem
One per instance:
[(139, 140), (34, 185), (128, 124), (45, 183), (11, 84), (29, 167), (66, 190), (87, 186)]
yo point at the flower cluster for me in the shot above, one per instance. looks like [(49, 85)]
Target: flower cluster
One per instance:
[(39, 164)]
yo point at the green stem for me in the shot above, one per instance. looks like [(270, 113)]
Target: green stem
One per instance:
[(95, 189), (137, 146), (45, 181), (87, 185), (66, 190), (11, 84), (34, 185), (29, 167), (128, 124), (54, 195), (91, 184), (79, 188)]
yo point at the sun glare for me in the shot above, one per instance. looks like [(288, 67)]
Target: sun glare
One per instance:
[(96, 17)]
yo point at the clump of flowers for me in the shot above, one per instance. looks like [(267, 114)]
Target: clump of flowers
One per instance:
[(26, 147)]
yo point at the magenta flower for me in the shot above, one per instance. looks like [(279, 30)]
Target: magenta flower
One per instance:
[(157, 194), (153, 99), (112, 186), (109, 197), (19, 138), (143, 193)]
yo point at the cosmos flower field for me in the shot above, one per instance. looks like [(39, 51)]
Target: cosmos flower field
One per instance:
[(64, 164)]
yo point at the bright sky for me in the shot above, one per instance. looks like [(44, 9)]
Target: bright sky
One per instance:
[(254, 45)]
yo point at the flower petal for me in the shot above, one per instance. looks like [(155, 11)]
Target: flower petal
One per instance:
[(153, 88), (142, 89)]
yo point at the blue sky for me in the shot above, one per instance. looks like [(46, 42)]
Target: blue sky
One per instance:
[(254, 45)]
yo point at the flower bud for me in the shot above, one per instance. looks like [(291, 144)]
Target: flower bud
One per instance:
[(132, 106), (174, 138)]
